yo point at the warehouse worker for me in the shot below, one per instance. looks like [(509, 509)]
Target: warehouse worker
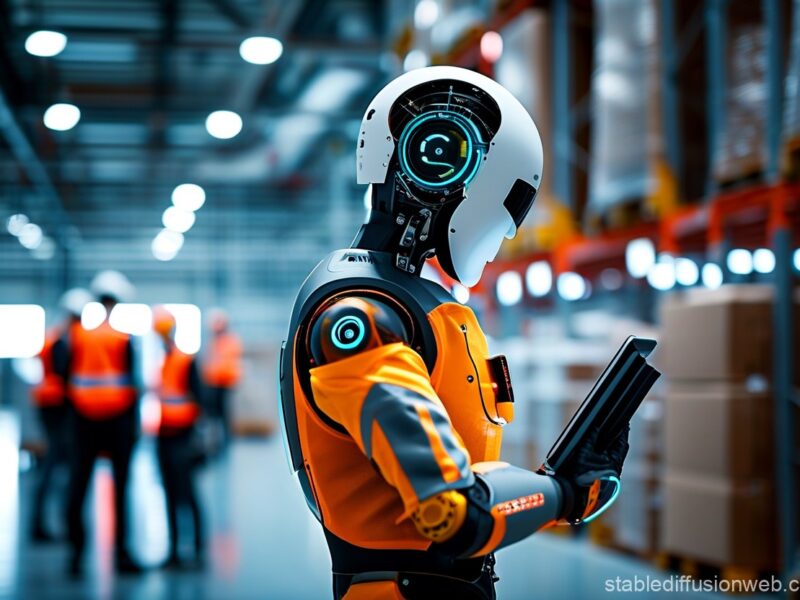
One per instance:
[(101, 387), (179, 394), (49, 397), (393, 409), (222, 369)]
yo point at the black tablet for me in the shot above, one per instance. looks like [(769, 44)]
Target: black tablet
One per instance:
[(614, 398)]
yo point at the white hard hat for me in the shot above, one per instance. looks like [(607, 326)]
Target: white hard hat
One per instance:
[(74, 300), (113, 284), (449, 133)]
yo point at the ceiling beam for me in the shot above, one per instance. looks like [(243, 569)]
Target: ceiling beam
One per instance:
[(29, 161), (228, 9)]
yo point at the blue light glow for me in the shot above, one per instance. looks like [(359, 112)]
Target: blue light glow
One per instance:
[(611, 501), (471, 134), (337, 333)]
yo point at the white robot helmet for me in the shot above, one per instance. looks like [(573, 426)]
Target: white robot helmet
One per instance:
[(462, 149), (73, 301), (112, 284)]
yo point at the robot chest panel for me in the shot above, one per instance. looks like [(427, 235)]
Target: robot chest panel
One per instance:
[(473, 386)]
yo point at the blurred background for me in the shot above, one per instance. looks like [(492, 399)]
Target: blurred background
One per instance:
[(205, 149)]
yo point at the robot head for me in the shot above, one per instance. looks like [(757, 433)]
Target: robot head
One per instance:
[(454, 161)]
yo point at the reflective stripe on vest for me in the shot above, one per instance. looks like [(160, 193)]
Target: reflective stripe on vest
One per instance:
[(178, 408), (175, 400), (102, 381)]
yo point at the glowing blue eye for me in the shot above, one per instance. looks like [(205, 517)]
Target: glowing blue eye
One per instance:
[(347, 333)]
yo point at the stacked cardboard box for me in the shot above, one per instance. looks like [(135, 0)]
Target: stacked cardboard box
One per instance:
[(719, 483)]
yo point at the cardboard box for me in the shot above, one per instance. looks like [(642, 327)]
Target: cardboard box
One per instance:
[(718, 334), (719, 429), (716, 521)]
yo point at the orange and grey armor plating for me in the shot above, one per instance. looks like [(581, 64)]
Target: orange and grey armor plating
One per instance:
[(393, 409), (393, 412)]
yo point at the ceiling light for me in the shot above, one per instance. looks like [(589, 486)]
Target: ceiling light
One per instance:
[(45, 43), (539, 278), (425, 14), (416, 59), (224, 124), (491, 46), (167, 244), (15, 223), (261, 50), (740, 261), (22, 327), (509, 288), (571, 286), (711, 276), (178, 220), (134, 319), (188, 196), (31, 236), (764, 260), (188, 326), (62, 117), (662, 275), (686, 271), (46, 249), (611, 279), (92, 315), (640, 255)]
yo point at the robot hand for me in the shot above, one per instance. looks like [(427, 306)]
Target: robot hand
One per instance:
[(591, 480)]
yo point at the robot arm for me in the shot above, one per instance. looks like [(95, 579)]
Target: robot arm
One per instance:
[(375, 386)]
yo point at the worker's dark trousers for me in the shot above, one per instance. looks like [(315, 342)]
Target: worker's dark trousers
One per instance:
[(115, 436), (177, 458), (220, 411), (56, 431)]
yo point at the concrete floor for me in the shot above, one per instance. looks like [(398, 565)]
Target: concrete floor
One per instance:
[(263, 542)]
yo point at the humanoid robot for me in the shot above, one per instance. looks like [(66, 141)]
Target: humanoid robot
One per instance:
[(393, 409)]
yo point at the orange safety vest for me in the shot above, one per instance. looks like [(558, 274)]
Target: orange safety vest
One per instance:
[(223, 364), (51, 391), (101, 386), (178, 409)]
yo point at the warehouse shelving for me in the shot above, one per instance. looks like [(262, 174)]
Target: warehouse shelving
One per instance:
[(754, 215)]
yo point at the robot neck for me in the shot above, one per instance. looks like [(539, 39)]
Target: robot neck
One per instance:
[(405, 236), (398, 236)]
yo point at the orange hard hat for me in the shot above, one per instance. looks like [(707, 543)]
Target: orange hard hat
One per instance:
[(163, 321)]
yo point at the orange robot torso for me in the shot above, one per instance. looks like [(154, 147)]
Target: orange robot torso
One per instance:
[(471, 388)]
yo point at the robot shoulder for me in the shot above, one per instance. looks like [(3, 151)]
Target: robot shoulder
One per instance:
[(353, 325)]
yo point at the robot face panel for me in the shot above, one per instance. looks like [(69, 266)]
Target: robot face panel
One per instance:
[(440, 149)]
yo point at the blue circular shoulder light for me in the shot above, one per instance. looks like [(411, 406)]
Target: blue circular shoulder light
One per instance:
[(348, 332)]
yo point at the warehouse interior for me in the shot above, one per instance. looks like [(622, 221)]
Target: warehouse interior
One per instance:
[(206, 149)]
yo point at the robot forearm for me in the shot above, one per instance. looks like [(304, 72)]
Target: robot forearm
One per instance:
[(505, 505)]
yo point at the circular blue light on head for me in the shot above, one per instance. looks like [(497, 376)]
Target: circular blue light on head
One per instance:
[(348, 332), (440, 149)]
